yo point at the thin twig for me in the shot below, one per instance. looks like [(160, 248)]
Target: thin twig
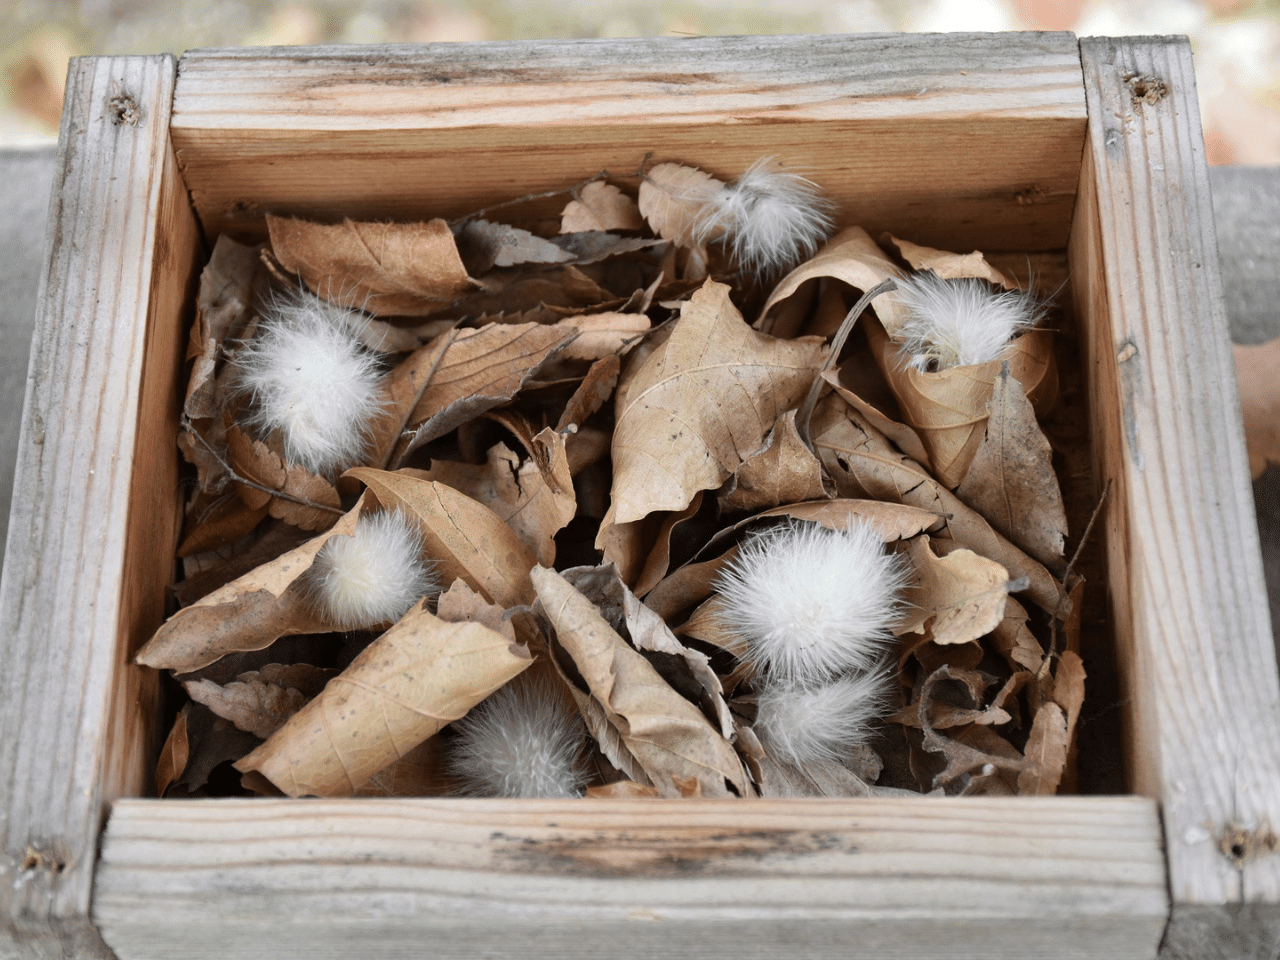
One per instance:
[(1084, 538), (237, 478), (527, 198)]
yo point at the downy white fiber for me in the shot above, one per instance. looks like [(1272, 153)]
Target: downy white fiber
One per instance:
[(311, 380), (812, 603), (957, 323), (372, 576), (772, 220), (523, 740), (803, 724)]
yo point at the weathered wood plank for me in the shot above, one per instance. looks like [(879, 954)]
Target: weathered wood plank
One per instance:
[(95, 502), (986, 878), (909, 124), (1187, 591)]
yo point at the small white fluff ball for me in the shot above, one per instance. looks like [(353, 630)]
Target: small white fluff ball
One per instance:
[(812, 603), (372, 576), (309, 378), (957, 323), (772, 219), (804, 724), (523, 740)]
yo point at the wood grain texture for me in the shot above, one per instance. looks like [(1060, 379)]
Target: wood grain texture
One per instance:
[(903, 128), (95, 503), (986, 878), (1187, 592)]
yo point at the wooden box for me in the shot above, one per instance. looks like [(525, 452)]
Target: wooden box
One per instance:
[(1033, 142)]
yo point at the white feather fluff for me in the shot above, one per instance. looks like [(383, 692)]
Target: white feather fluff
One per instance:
[(803, 724), (812, 603), (771, 219), (957, 323), (310, 379), (524, 740), (372, 576)]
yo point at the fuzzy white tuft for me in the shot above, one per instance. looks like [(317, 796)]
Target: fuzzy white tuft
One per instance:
[(771, 219), (813, 603), (524, 740), (310, 379), (804, 724), (957, 323), (372, 576)]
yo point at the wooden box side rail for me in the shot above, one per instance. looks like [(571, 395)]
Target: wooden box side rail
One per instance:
[(96, 506), (1188, 597), (907, 126), (966, 878)]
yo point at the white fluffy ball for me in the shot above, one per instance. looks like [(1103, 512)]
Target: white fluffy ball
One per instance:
[(309, 378), (957, 323), (524, 740), (812, 603), (372, 576), (803, 724)]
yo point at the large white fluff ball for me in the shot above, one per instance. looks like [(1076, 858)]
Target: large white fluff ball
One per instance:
[(805, 724), (309, 379), (372, 576), (524, 740), (957, 323), (813, 603)]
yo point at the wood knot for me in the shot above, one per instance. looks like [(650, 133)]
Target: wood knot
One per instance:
[(1240, 845), (1146, 88), (123, 109)]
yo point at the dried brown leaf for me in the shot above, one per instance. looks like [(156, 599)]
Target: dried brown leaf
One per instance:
[(477, 371), (1046, 753), (1257, 376), (212, 742), (464, 537), (483, 244), (1068, 687), (671, 197), (669, 737), (217, 521), (1011, 480), (223, 306), (174, 753), (603, 334), (289, 492), (949, 266), (419, 773), (623, 790), (593, 393), (600, 206), (700, 403), (253, 706), (1015, 641), (784, 470), (401, 269), (864, 464), (852, 257), (906, 439), (592, 247), (960, 758), (659, 559), (961, 596), (418, 676), (819, 778), (948, 408)]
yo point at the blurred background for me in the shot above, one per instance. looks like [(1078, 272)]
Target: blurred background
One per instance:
[(1236, 42)]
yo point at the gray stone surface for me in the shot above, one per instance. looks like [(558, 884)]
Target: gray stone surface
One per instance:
[(26, 177), (1246, 208)]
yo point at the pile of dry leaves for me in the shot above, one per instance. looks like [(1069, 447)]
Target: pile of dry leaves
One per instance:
[(583, 432)]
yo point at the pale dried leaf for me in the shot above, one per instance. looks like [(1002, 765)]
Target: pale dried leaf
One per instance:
[(623, 790), (1015, 641), (296, 495), (600, 206), (1258, 379), (960, 757), (1011, 480), (670, 738), (603, 334), (906, 439), (464, 537), (483, 244), (421, 674), (593, 247), (1068, 687), (421, 772), (174, 753), (1046, 753), (949, 266), (819, 778), (784, 470), (460, 604), (961, 596), (671, 197), (223, 306), (701, 402), (253, 706), (401, 269), (593, 393)]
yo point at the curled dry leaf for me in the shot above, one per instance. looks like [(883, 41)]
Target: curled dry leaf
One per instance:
[(1015, 641), (212, 741), (593, 393), (949, 266), (483, 245), (659, 559), (906, 439), (667, 735), (254, 706), (174, 753), (1045, 753), (960, 597), (603, 335), (852, 257), (699, 404), (464, 537), (1011, 480), (864, 464), (960, 757), (948, 408), (249, 613), (223, 307), (289, 492), (1257, 375), (784, 470), (476, 371), (401, 269), (418, 676), (671, 197), (600, 206)]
